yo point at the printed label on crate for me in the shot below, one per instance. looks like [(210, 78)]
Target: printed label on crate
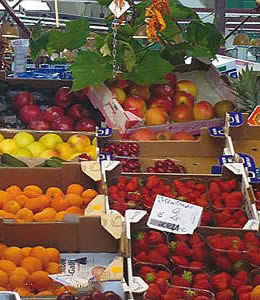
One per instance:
[(134, 215), (103, 156), (217, 132), (225, 159), (252, 224), (174, 216), (104, 132), (235, 168), (235, 119), (254, 118), (118, 11), (216, 170), (247, 161), (253, 176), (138, 285)]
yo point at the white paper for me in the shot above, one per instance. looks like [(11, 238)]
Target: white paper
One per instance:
[(174, 216), (116, 10)]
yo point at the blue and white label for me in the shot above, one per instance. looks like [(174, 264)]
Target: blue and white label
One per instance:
[(247, 161), (104, 156), (217, 132), (225, 159), (104, 132), (253, 176), (235, 119), (216, 170)]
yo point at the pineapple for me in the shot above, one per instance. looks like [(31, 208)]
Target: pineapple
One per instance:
[(247, 89)]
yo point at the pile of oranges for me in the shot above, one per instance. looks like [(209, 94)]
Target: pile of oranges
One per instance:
[(32, 204), (26, 270)]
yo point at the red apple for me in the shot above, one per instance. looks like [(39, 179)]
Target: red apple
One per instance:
[(162, 90), (21, 99), (78, 112), (184, 98), (135, 105), (181, 113), (63, 123), (30, 113), (143, 134), (164, 102), (156, 116), (52, 113), (122, 84), (86, 124), (140, 91), (39, 125), (188, 87), (81, 95), (183, 136), (63, 97), (203, 110), (171, 78)]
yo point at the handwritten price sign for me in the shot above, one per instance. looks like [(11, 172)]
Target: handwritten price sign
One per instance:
[(174, 216)]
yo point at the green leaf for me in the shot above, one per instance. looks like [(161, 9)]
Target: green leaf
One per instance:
[(150, 69), (175, 54), (37, 31), (129, 58), (89, 68), (125, 32), (36, 46), (179, 11), (73, 38), (171, 29), (104, 2)]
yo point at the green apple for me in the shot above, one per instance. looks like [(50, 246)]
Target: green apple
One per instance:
[(8, 146), (36, 148), (79, 142), (22, 152), (50, 140), (23, 139)]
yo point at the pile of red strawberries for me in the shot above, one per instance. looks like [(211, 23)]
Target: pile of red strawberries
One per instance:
[(230, 218)]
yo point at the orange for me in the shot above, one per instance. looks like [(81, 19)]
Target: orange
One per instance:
[(25, 214), (21, 199), (74, 199), (53, 268), (88, 195), (14, 190), (4, 197), (3, 247), (26, 251), (45, 293), (45, 200), (54, 255), (23, 292), (40, 253), (64, 289), (12, 207), (17, 280), (32, 191), (14, 254), (59, 203), (74, 210), (47, 215), (10, 215), (75, 189), (2, 213), (34, 204), (60, 215), (7, 266), (3, 279), (40, 280), (31, 264), (20, 271), (2, 289), (54, 191)]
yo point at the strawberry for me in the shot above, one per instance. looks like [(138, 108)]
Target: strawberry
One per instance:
[(112, 189), (254, 258), (163, 249), (145, 269), (203, 285), (202, 298), (132, 185), (221, 281), (162, 284), (195, 239), (140, 241), (244, 289), (120, 206), (142, 257), (155, 238), (232, 183), (196, 265), (121, 186), (201, 188), (177, 185), (206, 218), (214, 188), (153, 292), (182, 237), (190, 184), (225, 295), (166, 297), (175, 292), (245, 296), (216, 241), (222, 262), (240, 279), (251, 240), (256, 280), (231, 202), (163, 274), (122, 179), (150, 277), (156, 258), (234, 255), (152, 181), (198, 253), (224, 186), (201, 276), (180, 261), (180, 249), (185, 280)]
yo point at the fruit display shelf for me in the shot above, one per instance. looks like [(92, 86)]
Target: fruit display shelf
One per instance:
[(217, 261), (195, 156)]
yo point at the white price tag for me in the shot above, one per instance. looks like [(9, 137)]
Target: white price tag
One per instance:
[(174, 216), (116, 10)]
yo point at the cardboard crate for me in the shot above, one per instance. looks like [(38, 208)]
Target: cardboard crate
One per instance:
[(198, 157), (202, 72)]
